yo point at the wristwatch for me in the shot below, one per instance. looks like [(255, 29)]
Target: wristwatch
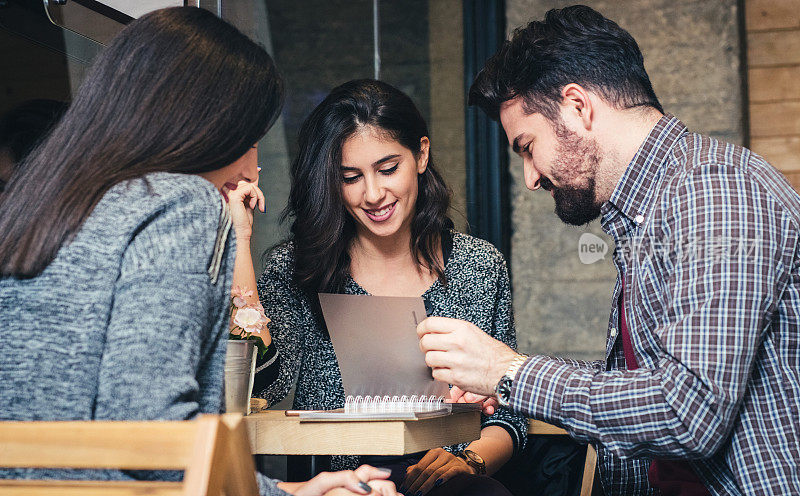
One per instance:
[(474, 460), (503, 388)]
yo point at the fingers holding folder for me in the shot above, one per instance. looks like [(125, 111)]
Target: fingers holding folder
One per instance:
[(463, 355)]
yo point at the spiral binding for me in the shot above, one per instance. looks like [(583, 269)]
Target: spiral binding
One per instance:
[(393, 404)]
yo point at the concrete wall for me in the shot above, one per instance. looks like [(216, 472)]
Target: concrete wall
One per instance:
[(446, 124), (691, 51)]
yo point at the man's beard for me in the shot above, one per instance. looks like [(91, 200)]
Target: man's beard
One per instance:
[(576, 161), (576, 206)]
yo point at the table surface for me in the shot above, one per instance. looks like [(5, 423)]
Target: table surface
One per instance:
[(273, 433)]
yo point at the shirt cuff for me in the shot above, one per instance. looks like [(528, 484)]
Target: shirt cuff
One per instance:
[(539, 388)]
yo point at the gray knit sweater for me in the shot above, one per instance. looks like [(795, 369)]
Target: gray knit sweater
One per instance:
[(129, 321), (477, 290)]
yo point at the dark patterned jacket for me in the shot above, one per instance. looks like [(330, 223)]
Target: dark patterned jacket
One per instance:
[(478, 291)]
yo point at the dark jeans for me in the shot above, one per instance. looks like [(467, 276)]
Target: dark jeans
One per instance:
[(460, 485)]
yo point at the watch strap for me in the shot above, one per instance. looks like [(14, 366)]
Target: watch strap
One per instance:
[(518, 361), (503, 388)]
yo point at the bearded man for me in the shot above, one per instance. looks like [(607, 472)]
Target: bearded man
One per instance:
[(699, 392)]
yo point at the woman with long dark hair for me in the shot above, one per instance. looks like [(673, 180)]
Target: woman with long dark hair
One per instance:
[(115, 259), (369, 213)]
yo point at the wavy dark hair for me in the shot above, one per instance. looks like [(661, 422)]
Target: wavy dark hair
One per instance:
[(571, 45), (178, 90), (322, 229)]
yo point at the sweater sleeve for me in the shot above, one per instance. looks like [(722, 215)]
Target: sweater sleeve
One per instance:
[(269, 487), (165, 343), (288, 314)]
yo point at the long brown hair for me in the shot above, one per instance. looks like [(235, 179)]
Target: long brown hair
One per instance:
[(322, 229), (177, 90)]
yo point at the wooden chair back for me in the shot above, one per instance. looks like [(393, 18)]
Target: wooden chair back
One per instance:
[(212, 450), (587, 482)]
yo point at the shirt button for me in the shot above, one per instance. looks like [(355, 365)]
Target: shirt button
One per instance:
[(613, 332), (639, 219)]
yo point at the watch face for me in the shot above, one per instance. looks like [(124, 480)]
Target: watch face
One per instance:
[(473, 456), (504, 391), (474, 460)]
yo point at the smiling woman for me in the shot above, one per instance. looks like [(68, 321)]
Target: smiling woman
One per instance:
[(369, 216), (348, 147)]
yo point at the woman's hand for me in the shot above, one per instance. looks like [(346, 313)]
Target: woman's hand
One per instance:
[(242, 201), (363, 480), (433, 470)]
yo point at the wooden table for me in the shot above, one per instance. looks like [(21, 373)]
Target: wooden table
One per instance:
[(273, 433)]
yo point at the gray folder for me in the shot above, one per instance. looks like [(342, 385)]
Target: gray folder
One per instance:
[(376, 344)]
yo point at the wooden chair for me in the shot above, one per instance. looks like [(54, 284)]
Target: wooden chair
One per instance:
[(587, 482), (212, 450)]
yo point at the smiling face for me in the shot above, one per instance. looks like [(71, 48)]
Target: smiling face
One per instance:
[(245, 168), (556, 159), (379, 182)]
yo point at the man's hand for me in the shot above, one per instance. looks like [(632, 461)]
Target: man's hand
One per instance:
[(433, 470), (461, 354), (488, 403)]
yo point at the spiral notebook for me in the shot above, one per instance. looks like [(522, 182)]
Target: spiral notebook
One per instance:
[(383, 370)]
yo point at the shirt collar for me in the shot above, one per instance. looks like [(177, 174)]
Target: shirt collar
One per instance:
[(635, 189)]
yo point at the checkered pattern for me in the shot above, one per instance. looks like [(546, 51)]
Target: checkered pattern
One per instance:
[(708, 239)]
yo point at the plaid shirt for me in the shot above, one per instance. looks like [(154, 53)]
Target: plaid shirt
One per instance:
[(708, 243)]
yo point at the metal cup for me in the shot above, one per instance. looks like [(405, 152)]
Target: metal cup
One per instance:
[(240, 366)]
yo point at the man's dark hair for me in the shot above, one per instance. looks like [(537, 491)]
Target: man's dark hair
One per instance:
[(572, 45)]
